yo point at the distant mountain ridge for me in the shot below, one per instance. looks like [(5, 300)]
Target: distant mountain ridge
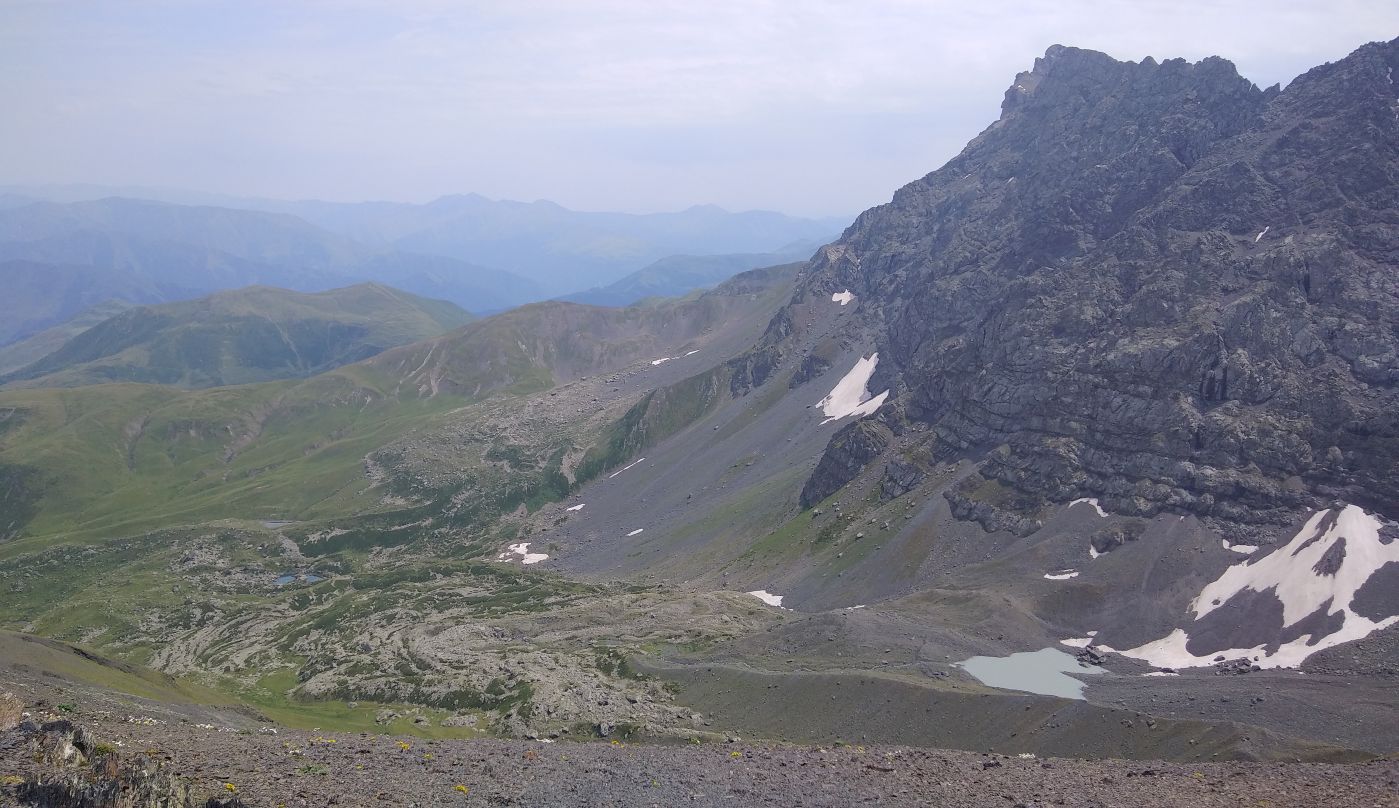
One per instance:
[(67, 257), (563, 250), (242, 336), (678, 275)]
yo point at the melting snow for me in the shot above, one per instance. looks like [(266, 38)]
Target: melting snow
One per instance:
[(768, 598), (662, 359), (522, 550), (1246, 549), (1093, 502), (1046, 671), (1160, 673), (624, 468), (1262, 234), (634, 532), (692, 353), (577, 507), (1077, 642), (1061, 576), (842, 297), (1290, 573), (851, 396)]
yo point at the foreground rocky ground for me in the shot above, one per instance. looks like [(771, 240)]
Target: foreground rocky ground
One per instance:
[(268, 767)]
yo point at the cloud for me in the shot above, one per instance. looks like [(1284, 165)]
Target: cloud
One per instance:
[(803, 105)]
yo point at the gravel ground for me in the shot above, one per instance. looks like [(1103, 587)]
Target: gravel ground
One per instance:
[(294, 768)]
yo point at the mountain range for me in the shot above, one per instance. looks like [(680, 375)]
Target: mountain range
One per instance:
[(560, 251), (64, 258), (1085, 444), (679, 275)]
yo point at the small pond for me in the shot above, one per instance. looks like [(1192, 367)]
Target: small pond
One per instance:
[(1045, 672)]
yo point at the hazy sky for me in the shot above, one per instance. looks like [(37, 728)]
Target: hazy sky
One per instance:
[(796, 105)]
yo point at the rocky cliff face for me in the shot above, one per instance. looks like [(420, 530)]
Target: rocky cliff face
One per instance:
[(1151, 283)]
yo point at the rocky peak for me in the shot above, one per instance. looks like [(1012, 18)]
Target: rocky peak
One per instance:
[(1154, 283)]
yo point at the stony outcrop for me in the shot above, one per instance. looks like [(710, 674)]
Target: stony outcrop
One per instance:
[(1152, 283), (854, 446), (79, 772)]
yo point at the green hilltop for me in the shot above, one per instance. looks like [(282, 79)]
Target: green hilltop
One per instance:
[(254, 334)]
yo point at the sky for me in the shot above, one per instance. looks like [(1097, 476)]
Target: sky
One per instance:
[(803, 106)]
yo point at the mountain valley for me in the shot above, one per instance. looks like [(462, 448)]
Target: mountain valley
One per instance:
[(1085, 445)]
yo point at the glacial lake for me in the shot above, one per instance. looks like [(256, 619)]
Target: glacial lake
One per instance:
[(1045, 672)]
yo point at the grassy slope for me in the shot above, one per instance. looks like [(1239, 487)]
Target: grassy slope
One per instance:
[(126, 480), (51, 658), (27, 351), (247, 335), (117, 459), (77, 665)]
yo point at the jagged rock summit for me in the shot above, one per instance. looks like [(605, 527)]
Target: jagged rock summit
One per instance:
[(1151, 283)]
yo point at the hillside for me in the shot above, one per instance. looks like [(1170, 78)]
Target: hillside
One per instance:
[(297, 448), (247, 335), (1063, 393), (29, 350)]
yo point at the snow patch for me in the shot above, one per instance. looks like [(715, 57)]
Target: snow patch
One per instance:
[(851, 395), (768, 598), (842, 297), (1090, 501), (1077, 642), (1306, 576), (1160, 673), (577, 507), (522, 550), (665, 359), (1261, 234), (634, 532), (1062, 575), (624, 468), (1246, 549)]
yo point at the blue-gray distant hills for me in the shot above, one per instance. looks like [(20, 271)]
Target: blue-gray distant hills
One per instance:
[(563, 251), (59, 259), (679, 275)]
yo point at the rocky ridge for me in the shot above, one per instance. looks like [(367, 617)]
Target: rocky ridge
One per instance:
[(1152, 283)]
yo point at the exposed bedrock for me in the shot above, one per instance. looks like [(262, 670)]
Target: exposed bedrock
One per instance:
[(1151, 283)]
